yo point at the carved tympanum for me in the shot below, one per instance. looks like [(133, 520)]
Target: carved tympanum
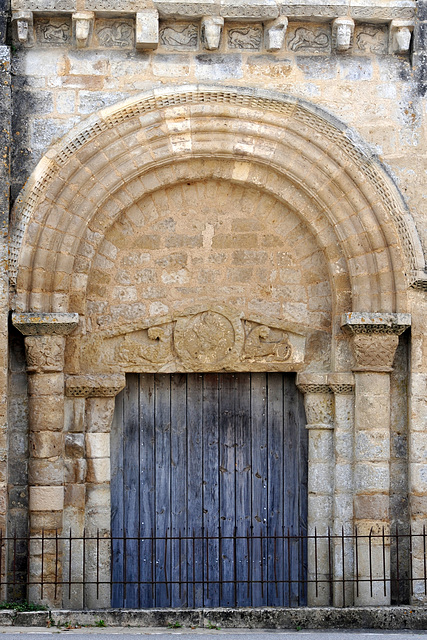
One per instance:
[(44, 354)]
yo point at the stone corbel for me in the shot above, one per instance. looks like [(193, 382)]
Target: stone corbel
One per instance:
[(147, 29), (211, 31), (274, 34), (82, 27), (23, 21), (342, 33), (375, 338), (400, 36)]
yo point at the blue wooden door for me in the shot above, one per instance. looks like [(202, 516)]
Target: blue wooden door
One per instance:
[(209, 476)]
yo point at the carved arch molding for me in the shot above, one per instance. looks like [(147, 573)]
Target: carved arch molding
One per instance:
[(315, 167)]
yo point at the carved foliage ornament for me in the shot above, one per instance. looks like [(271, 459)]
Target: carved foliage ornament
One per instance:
[(45, 354)]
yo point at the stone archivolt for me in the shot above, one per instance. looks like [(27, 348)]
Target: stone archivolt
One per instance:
[(308, 161)]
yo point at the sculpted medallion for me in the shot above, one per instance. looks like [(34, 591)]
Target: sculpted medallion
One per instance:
[(204, 339)]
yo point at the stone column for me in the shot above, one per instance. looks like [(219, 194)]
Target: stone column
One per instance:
[(90, 406), (44, 346), (375, 338), (342, 386), (318, 409)]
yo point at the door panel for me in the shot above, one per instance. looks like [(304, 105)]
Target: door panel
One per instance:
[(209, 472)]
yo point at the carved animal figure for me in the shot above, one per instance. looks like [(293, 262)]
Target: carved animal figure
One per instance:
[(248, 38), (119, 34), (55, 33), (187, 37), (309, 40), (371, 42), (260, 344)]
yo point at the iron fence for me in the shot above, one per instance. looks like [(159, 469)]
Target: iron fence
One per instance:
[(203, 569)]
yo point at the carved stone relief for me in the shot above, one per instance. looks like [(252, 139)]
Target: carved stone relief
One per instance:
[(115, 34), (45, 354), (53, 31), (371, 38), (244, 38), (175, 36), (199, 340), (309, 40)]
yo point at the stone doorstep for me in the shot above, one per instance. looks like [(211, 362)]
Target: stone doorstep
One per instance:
[(395, 617)]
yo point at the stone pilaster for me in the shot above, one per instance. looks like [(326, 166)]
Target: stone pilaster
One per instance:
[(89, 413), (375, 338), (342, 386), (45, 347), (318, 409)]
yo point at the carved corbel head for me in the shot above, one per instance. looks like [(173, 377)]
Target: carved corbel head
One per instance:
[(82, 26), (342, 33), (211, 31), (274, 34), (24, 25), (400, 36)]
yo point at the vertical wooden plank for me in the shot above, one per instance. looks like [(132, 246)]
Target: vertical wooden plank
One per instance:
[(117, 501), (291, 458), (211, 482), (303, 485), (163, 480), (259, 514), (243, 484), (195, 563), (147, 484), (131, 487), (275, 485), (179, 478), (227, 490)]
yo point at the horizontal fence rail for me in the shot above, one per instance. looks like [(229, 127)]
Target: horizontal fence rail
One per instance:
[(196, 570)]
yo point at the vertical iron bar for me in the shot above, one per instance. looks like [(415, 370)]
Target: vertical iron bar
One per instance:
[(14, 565), (262, 565), (384, 566), (331, 578), (220, 566), (125, 569), (370, 559), (41, 585), (424, 559), (315, 560), (1, 563), (56, 563), (207, 565), (397, 565), (288, 543), (194, 568), (235, 566), (275, 562), (153, 596), (356, 561), (180, 570), (343, 566), (411, 575), (111, 565), (248, 549), (97, 564), (301, 588), (166, 565), (139, 565), (84, 566), (69, 568)]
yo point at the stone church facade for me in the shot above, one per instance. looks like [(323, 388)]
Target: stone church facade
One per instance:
[(214, 186)]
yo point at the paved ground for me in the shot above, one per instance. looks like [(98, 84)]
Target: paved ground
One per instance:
[(22, 633)]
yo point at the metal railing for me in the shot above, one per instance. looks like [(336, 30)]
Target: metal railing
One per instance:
[(203, 569)]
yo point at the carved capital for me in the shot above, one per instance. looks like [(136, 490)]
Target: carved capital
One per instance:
[(38, 324), (94, 386), (317, 400), (374, 352), (45, 354)]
